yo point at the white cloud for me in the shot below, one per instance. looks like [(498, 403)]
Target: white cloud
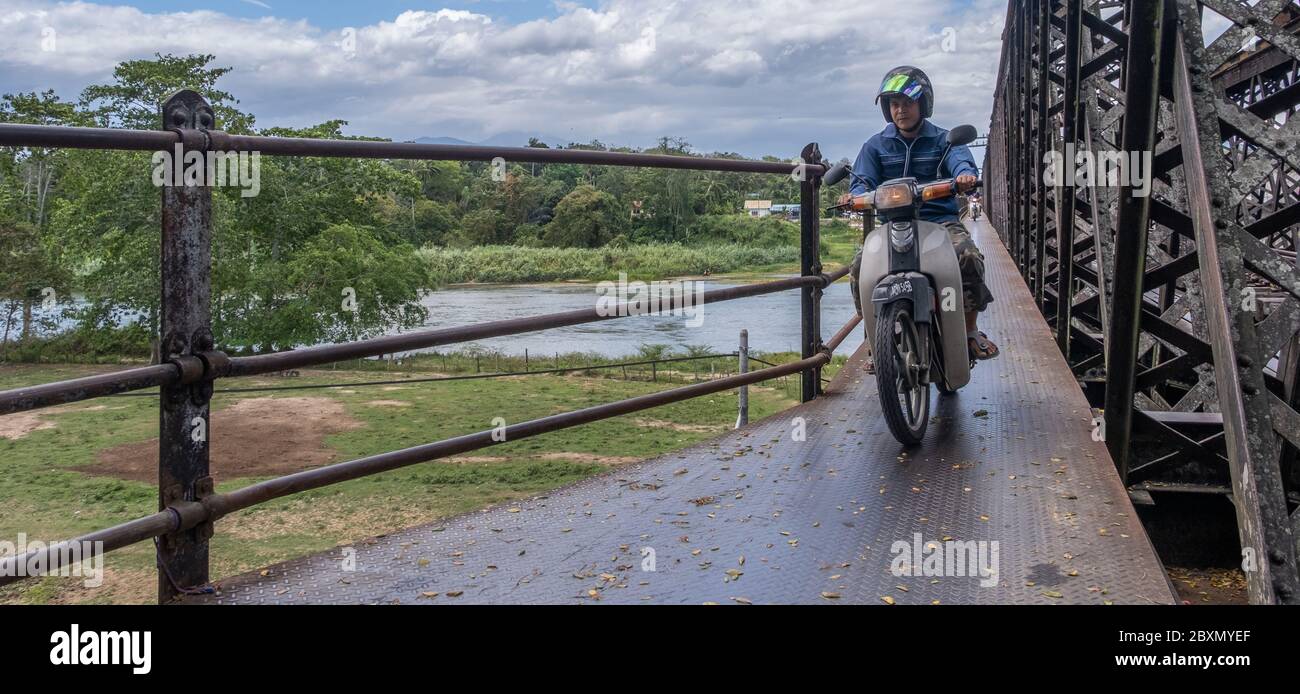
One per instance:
[(756, 76)]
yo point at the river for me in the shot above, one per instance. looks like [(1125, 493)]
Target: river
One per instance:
[(771, 319)]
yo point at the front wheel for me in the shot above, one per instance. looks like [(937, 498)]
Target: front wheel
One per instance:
[(904, 396)]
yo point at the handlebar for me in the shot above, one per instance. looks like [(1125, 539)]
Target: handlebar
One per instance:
[(937, 190)]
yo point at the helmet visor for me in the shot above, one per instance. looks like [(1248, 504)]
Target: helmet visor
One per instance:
[(901, 84)]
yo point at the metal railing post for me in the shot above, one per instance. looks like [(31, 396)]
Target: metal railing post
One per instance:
[(810, 264), (743, 417), (186, 333)]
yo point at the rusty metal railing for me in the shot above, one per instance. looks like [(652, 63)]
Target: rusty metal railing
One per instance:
[(187, 502)]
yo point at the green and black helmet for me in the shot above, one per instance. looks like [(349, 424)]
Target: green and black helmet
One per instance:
[(910, 82)]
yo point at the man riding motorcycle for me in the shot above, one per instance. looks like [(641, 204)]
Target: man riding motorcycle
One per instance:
[(912, 146)]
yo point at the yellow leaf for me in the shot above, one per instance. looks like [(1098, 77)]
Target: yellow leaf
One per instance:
[(887, 599), (830, 596)]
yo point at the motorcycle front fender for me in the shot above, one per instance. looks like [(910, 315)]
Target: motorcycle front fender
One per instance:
[(939, 267)]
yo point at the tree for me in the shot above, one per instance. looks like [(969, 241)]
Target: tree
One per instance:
[(479, 228), (31, 172), (585, 218), (141, 86), (347, 284), (29, 272), (31, 266)]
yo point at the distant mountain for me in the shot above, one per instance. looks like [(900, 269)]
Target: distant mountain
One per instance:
[(443, 141), (520, 139), (506, 139)]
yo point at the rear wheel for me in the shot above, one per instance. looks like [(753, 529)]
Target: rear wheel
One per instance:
[(904, 397)]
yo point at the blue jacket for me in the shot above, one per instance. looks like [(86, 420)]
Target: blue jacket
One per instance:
[(887, 155)]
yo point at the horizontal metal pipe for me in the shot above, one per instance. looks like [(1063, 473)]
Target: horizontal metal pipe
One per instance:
[(325, 354), (116, 537), (218, 505), (22, 135), (45, 395), (384, 462), (467, 377), (254, 494), (34, 397), (19, 135), (840, 335)]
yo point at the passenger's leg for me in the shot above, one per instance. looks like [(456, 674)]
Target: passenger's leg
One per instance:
[(975, 293)]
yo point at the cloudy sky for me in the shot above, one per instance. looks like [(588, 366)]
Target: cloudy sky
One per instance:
[(755, 76)]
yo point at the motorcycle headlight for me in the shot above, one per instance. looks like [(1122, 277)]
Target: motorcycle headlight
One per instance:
[(901, 236), (889, 197)]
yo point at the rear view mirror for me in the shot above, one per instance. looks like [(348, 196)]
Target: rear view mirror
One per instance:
[(962, 135), (836, 174)]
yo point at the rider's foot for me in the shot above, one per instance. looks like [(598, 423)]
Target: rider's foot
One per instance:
[(981, 347)]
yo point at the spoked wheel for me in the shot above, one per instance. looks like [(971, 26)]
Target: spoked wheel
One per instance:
[(904, 398)]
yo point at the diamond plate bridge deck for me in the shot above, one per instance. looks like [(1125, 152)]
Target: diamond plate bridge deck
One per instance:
[(756, 516)]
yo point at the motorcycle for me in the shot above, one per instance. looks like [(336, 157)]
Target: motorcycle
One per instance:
[(911, 294)]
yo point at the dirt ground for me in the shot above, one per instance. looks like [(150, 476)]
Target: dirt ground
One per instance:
[(252, 438), (1209, 586), (16, 426), (261, 437)]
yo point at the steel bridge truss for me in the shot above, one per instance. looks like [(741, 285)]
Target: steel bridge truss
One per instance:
[(1173, 289)]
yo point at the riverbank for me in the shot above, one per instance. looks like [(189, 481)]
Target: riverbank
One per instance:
[(526, 264)]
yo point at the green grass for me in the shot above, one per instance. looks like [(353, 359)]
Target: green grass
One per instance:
[(45, 497)]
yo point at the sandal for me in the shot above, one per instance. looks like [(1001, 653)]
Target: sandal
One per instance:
[(981, 347)]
